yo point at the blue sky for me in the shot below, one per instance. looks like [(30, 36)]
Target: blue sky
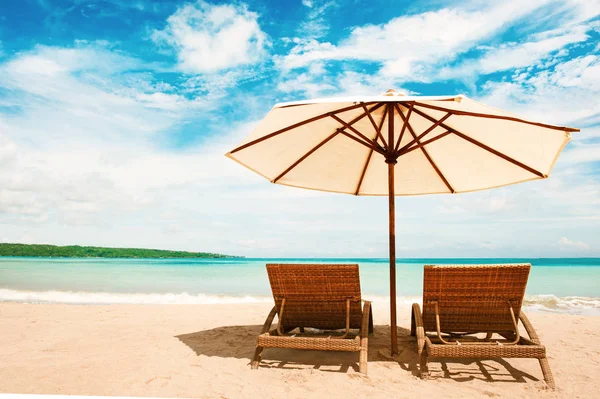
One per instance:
[(115, 115)]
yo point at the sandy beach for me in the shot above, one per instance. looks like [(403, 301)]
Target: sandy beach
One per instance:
[(204, 351)]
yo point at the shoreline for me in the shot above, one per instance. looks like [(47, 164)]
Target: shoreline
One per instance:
[(350, 259), (549, 303), (204, 351)]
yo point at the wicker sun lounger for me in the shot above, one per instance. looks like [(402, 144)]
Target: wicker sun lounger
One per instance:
[(323, 297), (462, 300)]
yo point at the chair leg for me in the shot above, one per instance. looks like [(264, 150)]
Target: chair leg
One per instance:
[(423, 370), (548, 377), (364, 347), (302, 330), (257, 357)]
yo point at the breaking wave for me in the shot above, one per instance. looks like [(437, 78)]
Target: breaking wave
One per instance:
[(545, 303), (101, 298), (568, 304)]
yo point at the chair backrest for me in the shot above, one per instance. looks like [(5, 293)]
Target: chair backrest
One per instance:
[(315, 295), (473, 298)]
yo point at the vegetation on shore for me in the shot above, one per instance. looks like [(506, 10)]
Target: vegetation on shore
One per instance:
[(76, 251)]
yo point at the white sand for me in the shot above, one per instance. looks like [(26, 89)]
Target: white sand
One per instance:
[(204, 351)]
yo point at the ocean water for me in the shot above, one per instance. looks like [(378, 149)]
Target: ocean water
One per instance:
[(555, 285)]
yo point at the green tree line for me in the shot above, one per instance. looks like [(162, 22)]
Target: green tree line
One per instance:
[(76, 251)]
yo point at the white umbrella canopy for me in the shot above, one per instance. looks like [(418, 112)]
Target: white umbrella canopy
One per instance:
[(431, 145), (451, 144)]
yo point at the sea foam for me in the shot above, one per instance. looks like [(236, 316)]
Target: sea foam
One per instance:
[(100, 298), (546, 303), (568, 304)]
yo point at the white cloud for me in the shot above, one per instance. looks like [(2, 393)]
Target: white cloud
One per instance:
[(567, 244), (489, 245), (581, 152), (315, 81), (404, 42), (422, 47), (62, 94), (307, 82), (485, 203), (219, 84), (510, 56), (315, 25), (560, 95), (80, 142), (209, 38), (579, 72), (352, 83), (8, 150)]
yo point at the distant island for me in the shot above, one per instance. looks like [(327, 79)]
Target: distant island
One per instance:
[(76, 251)]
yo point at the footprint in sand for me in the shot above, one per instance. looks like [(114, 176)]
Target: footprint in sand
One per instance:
[(159, 380), (490, 394)]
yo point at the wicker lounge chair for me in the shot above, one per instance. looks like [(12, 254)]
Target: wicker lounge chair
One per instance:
[(324, 297), (462, 300)]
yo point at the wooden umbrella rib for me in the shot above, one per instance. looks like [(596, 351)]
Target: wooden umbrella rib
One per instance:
[(295, 105), (345, 125), (368, 145), (390, 128), (424, 143), (381, 127), (315, 148), (404, 126), (426, 132), (377, 129), (298, 124), (323, 142), (364, 171), (433, 165), (483, 146), (501, 155), (491, 116)]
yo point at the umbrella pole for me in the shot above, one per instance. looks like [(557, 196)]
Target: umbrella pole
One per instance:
[(392, 229)]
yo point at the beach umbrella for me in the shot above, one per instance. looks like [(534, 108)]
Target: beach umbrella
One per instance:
[(394, 145)]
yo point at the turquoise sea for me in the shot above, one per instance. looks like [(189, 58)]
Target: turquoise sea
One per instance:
[(562, 285)]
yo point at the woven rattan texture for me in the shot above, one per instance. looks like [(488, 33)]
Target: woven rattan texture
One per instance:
[(323, 344), (473, 297), (315, 295), (487, 351)]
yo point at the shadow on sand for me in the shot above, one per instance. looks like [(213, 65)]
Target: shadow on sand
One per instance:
[(239, 342)]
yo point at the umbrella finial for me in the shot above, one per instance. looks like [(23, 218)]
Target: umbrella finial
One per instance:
[(392, 92)]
